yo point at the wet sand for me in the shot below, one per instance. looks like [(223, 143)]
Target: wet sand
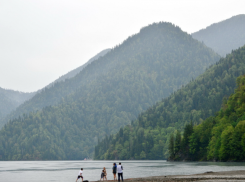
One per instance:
[(225, 176)]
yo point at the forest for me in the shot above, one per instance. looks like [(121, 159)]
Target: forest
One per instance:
[(150, 135), (218, 138), (10, 100), (106, 95)]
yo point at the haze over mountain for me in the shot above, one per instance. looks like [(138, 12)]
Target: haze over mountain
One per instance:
[(74, 72), (10, 100), (106, 95), (148, 136), (224, 36), (13, 101)]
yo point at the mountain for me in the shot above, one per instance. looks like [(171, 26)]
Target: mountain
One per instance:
[(10, 100), (225, 36), (43, 97), (74, 72), (107, 94), (148, 137)]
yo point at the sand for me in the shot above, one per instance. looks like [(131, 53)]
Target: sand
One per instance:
[(225, 176)]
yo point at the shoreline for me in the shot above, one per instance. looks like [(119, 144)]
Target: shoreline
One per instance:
[(223, 176)]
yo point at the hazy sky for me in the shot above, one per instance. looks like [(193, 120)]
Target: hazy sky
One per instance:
[(41, 40)]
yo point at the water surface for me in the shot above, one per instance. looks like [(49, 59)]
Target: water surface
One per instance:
[(65, 171)]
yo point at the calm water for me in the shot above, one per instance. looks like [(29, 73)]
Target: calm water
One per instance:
[(66, 171)]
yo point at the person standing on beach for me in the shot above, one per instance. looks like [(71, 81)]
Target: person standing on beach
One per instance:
[(120, 171), (114, 171), (80, 174), (105, 174)]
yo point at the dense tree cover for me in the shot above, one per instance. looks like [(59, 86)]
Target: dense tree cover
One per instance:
[(151, 133), (110, 92), (49, 95), (225, 36), (10, 100), (219, 138), (44, 135)]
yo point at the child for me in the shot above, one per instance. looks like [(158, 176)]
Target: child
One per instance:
[(105, 174), (102, 175), (80, 174)]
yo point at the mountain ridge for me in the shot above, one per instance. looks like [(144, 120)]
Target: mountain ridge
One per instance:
[(10, 100), (23, 107), (223, 36), (75, 71), (110, 92)]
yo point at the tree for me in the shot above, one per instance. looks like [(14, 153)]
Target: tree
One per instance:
[(171, 147)]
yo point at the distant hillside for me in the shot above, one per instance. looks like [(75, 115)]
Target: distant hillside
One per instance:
[(10, 100), (74, 72), (224, 36), (148, 136), (108, 94), (35, 103)]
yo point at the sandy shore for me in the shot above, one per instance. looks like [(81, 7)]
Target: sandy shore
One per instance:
[(225, 176)]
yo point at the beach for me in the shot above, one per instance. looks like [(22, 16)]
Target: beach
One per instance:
[(209, 176)]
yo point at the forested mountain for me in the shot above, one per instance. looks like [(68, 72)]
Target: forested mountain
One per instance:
[(10, 100), (218, 138), (74, 72), (225, 36), (110, 92), (148, 136), (46, 96)]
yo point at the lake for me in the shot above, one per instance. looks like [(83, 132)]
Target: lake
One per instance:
[(65, 171)]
